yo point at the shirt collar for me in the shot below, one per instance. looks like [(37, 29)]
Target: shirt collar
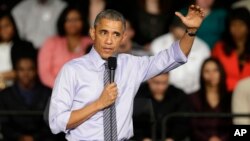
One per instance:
[(96, 58)]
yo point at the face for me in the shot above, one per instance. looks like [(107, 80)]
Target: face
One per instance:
[(211, 74), (238, 29), (205, 3), (6, 29), (25, 72), (159, 84), (178, 32), (73, 24), (107, 37)]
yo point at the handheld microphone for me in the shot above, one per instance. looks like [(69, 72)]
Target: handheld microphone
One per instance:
[(112, 63)]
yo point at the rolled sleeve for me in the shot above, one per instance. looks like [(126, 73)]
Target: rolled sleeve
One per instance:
[(61, 100), (162, 62), (179, 56)]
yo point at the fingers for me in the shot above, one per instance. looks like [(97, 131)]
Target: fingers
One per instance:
[(112, 85), (197, 9), (179, 15)]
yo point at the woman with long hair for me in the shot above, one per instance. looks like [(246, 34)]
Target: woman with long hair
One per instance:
[(211, 98), (11, 48), (233, 51), (70, 43)]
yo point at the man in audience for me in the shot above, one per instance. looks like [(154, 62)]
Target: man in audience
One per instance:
[(185, 77), (27, 94), (129, 46), (166, 99), (241, 102), (36, 19)]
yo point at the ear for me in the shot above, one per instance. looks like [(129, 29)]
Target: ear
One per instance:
[(124, 36), (92, 33)]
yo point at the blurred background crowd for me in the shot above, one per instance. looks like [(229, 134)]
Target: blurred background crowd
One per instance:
[(37, 37)]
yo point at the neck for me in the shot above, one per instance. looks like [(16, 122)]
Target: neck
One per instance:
[(240, 45), (73, 41), (211, 89), (27, 86), (159, 97)]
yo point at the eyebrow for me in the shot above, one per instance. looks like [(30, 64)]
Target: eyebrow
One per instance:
[(104, 30)]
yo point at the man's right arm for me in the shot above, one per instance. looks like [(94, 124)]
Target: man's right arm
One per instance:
[(107, 98)]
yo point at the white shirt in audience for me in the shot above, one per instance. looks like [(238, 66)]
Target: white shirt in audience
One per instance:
[(241, 102), (5, 57), (185, 77), (36, 22)]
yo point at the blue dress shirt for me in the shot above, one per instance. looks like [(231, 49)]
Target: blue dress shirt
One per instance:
[(80, 82)]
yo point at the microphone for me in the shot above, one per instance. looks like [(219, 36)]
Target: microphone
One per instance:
[(112, 63)]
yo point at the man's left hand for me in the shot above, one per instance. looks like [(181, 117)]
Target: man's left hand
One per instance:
[(194, 17)]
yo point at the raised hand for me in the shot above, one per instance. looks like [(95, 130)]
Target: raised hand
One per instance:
[(194, 17)]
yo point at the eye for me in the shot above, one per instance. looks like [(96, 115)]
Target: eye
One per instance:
[(117, 34), (103, 32)]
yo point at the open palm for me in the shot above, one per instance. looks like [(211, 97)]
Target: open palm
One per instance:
[(194, 17)]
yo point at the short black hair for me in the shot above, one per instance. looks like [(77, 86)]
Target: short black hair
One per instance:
[(110, 14), (62, 19), (34, 62)]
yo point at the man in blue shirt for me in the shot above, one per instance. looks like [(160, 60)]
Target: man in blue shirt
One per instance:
[(81, 96)]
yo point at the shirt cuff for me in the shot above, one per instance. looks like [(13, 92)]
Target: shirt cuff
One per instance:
[(63, 120), (179, 56)]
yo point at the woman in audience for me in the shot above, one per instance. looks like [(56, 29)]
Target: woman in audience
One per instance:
[(152, 18), (213, 25), (211, 98), (11, 47), (234, 49), (70, 43)]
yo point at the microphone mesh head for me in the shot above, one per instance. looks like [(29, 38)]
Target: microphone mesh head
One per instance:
[(112, 63)]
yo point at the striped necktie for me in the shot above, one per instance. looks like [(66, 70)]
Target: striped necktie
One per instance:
[(109, 114)]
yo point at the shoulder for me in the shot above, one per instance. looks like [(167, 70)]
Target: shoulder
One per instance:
[(6, 93), (82, 62), (219, 12), (23, 5), (218, 47), (177, 92), (52, 41), (199, 42), (163, 38), (244, 84)]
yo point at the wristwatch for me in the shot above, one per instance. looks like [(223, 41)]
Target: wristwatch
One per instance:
[(190, 33)]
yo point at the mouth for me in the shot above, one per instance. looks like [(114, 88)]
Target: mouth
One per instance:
[(108, 50)]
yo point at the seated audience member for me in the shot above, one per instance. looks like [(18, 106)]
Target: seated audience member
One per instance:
[(27, 94), (234, 49), (211, 98), (212, 26), (166, 99), (152, 18), (36, 19), (185, 77), (70, 43), (11, 47), (128, 45), (241, 102)]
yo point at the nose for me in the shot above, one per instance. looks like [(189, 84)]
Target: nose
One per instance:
[(109, 40)]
